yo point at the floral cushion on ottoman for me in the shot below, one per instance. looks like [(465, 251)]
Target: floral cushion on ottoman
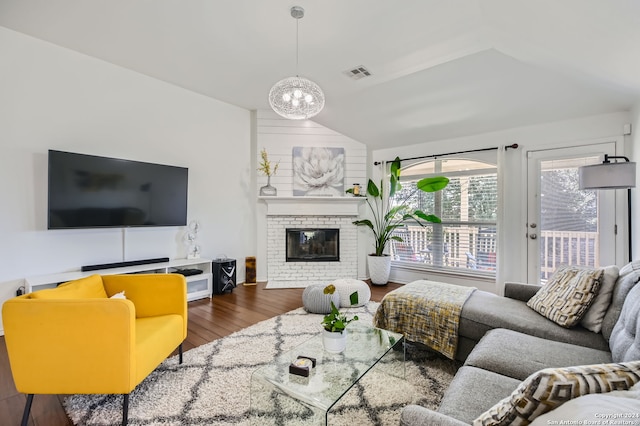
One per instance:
[(347, 287)]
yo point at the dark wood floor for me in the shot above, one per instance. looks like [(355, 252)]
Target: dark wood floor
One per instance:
[(209, 319)]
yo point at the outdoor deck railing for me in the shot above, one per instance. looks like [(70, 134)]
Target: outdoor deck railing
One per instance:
[(567, 248), (474, 247)]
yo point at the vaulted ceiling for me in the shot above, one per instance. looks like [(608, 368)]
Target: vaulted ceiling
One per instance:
[(439, 69)]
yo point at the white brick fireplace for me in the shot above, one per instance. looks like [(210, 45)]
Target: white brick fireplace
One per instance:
[(310, 213)]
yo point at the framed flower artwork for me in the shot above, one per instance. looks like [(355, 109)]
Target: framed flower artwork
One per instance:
[(318, 171)]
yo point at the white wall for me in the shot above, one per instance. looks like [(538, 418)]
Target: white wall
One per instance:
[(548, 135), (633, 152), (54, 98), (278, 136)]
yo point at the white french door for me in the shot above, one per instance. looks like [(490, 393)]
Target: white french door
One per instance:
[(566, 225)]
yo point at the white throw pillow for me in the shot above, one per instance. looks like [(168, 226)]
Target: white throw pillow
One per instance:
[(592, 319), (616, 407), (119, 295)]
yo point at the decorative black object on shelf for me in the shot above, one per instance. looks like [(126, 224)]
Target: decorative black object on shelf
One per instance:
[(187, 272), (224, 275)]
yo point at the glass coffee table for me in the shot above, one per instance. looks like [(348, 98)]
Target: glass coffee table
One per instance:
[(276, 392)]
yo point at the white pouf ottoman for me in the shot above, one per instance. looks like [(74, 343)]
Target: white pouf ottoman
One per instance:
[(315, 301), (345, 287)]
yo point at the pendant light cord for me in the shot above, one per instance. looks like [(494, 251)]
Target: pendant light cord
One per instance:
[(297, 48)]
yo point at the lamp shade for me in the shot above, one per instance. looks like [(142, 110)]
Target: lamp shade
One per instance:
[(608, 176)]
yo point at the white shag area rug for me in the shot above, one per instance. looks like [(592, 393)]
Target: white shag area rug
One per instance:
[(212, 386)]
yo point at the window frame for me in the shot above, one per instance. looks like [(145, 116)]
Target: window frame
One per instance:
[(418, 263)]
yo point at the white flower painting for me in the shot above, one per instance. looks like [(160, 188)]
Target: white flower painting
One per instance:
[(318, 171)]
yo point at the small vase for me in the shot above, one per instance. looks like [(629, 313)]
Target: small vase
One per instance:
[(333, 341), (268, 190)]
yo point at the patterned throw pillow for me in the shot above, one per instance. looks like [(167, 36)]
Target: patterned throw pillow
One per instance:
[(549, 388), (567, 295)]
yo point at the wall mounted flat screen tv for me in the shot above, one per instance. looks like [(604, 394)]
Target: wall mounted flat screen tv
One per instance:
[(86, 191)]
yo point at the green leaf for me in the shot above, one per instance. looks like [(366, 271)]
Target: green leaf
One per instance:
[(428, 217), (372, 189), (432, 184), (393, 185), (353, 298), (396, 238), (349, 191), (363, 222), (395, 167), (394, 178), (433, 218)]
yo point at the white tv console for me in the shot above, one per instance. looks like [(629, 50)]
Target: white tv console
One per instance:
[(198, 286)]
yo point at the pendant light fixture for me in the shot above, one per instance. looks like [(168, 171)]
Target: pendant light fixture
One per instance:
[(296, 98)]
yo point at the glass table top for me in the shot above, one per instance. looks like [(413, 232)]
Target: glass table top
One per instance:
[(334, 374)]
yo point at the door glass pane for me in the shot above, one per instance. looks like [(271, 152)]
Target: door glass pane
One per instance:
[(568, 228)]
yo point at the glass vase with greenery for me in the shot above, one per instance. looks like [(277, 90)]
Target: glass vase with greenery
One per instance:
[(268, 171)]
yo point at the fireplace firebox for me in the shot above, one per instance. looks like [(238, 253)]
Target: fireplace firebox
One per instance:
[(313, 245)]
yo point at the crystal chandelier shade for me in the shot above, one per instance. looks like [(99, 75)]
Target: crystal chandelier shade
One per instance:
[(296, 98)]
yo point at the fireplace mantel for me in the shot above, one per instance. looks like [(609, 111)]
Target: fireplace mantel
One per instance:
[(312, 206)]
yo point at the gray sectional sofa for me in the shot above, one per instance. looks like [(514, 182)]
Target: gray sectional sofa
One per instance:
[(502, 342)]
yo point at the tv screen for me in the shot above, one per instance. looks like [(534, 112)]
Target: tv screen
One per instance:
[(86, 191)]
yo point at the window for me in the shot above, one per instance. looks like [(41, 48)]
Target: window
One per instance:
[(466, 238)]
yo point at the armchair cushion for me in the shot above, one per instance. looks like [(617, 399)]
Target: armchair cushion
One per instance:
[(567, 295), (85, 288)]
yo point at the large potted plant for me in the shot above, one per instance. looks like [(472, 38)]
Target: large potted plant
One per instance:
[(387, 217)]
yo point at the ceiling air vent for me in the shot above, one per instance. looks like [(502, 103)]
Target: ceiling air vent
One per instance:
[(358, 72)]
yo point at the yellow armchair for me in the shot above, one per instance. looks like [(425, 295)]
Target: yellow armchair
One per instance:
[(77, 339)]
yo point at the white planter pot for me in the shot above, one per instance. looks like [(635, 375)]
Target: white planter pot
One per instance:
[(379, 269), (334, 342)]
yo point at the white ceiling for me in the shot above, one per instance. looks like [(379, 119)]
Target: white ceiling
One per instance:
[(441, 69)]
